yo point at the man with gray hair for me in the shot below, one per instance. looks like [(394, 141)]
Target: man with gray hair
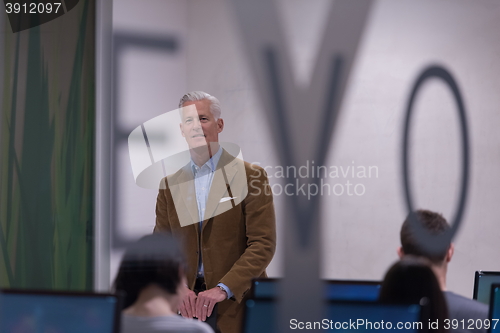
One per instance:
[(228, 227)]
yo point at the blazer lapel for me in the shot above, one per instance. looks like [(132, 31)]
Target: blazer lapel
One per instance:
[(218, 190), (184, 195)]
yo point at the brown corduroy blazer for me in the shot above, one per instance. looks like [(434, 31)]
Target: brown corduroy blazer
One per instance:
[(238, 236)]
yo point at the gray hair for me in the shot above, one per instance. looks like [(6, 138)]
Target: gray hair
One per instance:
[(194, 96)]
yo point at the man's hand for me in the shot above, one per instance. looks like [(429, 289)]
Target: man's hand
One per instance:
[(206, 301), (188, 305)]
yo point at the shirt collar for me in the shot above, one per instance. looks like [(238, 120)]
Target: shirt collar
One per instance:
[(211, 163)]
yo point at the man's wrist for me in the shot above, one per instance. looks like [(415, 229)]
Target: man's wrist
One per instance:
[(223, 290), (226, 289)]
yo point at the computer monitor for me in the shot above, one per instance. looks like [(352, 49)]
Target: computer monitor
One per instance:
[(351, 290), (43, 311), (264, 288), (494, 309), (374, 317), (343, 290), (482, 285), (260, 316)]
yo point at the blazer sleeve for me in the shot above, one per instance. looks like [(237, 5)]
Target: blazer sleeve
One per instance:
[(162, 222), (260, 223)]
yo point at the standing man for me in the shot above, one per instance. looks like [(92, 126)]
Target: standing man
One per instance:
[(222, 208)]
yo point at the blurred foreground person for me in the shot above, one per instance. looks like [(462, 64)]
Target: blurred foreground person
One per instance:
[(461, 309), (412, 281), (152, 277)]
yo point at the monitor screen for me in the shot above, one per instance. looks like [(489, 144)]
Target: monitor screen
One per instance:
[(265, 288), (482, 285), (341, 290), (261, 315), (374, 317), (350, 291), (57, 312), (495, 309)]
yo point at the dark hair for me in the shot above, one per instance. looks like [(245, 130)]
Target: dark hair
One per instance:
[(412, 281), (435, 223), (155, 258)]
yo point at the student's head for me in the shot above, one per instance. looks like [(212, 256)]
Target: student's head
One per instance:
[(412, 281), (434, 223), (154, 259)]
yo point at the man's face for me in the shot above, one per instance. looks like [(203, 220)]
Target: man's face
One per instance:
[(198, 125)]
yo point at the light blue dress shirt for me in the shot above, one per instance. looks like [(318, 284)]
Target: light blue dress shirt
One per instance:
[(203, 178)]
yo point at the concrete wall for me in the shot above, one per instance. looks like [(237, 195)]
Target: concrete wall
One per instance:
[(149, 83)]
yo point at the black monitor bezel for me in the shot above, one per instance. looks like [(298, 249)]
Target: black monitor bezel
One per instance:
[(476, 281), (251, 293), (44, 292)]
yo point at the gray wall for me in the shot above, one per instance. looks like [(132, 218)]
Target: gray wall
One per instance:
[(360, 232), (150, 83)]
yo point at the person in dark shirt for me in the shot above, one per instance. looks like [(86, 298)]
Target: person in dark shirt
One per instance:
[(412, 281), (459, 307)]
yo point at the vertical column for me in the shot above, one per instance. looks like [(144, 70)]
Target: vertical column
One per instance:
[(102, 215)]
